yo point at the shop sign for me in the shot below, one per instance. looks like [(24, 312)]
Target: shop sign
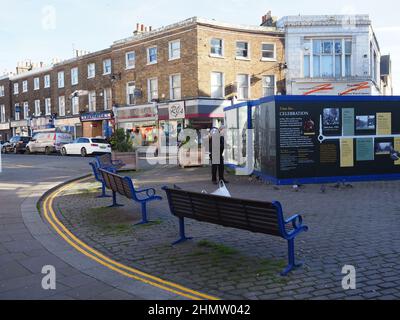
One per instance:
[(41, 123), (21, 123), (96, 116), (176, 110), (4, 126), (140, 112), (66, 122)]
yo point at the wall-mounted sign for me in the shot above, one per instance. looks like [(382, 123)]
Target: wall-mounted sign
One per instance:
[(140, 112), (21, 123), (67, 122), (176, 110), (4, 126), (334, 89), (96, 116)]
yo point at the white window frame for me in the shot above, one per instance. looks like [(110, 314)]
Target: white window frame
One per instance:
[(107, 95), (17, 115), (25, 86), (248, 50), (47, 106), (61, 106), (128, 102), (38, 112), (2, 113), (150, 89), (26, 110), (215, 55), (92, 101), (74, 76), (105, 65), (170, 50), (222, 85), (16, 88), (148, 55), (61, 79), (171, 88), (266, 87), (91, 70), (75, 105), (36, 83), (274, 52), (248, 86), (127, 65), (47, 82), (2, 92)]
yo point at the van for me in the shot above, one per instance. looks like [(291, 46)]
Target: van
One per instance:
[(48, 142)]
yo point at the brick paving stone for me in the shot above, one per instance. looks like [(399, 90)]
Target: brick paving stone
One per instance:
[(344, 230)]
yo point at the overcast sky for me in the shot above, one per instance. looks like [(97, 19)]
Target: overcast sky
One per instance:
[(41, 30)]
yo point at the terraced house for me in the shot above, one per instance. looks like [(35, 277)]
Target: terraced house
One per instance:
[(5, 108), (175, 76)]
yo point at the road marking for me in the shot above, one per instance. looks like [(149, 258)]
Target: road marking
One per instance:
[(95, 255)]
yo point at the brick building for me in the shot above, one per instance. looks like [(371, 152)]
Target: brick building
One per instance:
[(5, 108), (176, 76)]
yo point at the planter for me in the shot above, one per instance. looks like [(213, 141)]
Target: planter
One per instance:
[(130, 159)]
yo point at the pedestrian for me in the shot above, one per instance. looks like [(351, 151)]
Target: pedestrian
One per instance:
[(217, 161)]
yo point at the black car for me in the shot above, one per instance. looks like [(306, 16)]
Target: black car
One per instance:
[(17, 144)]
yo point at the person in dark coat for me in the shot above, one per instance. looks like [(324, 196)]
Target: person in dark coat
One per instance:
[(217, 166)]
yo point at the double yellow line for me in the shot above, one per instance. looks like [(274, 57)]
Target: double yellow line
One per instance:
[(111, 264)]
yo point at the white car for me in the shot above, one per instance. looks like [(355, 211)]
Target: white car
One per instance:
[(86, 146)]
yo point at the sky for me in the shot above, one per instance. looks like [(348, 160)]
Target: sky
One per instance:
[(41, 30)]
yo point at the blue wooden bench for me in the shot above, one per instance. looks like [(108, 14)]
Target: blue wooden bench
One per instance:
[(99, 178), (125, 187), (255, 216), (105, 162)]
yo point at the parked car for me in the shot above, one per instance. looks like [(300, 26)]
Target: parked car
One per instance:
[(48, 142), (4, 146), (17, 144), (86, 146)]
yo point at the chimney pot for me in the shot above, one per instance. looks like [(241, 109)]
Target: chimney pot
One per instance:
[(137, 26), (150, 28), (142, 28)]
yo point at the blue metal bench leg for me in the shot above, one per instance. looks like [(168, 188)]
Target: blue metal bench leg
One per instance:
[(291, 257), (103, 192), (115, 204), (182, 235), (144, 215)]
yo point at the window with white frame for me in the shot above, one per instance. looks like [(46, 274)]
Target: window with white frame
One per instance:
[(47, 81), (268, 51), (74, 76), (152, 55), (75, 105), (175, 86), (61, 106), (107, 95), (174, 50), (26, 110), (92, 101), (243, 86), (36, 83), (268, 83), (152, 85), (242, 50), (91, 70), (2, 92), (16, 88), (130, 60), (217, 85), (2, 113), (60, 77), (37, 108), (47, 106), (17, 112), (329, 58), (25, 86), (217, 47), (130, 93), (107, 66)]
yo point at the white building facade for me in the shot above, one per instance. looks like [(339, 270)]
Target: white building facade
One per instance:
[(331, 55)]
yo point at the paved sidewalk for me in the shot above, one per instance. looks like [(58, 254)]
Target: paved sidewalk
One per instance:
[(348, 226)]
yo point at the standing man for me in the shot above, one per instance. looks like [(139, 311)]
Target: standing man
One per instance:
[(217, 147)]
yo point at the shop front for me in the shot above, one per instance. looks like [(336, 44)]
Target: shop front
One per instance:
[(97, 124), (20, 128), (41, 123), (69, 125), (140, 122), (5, 132)]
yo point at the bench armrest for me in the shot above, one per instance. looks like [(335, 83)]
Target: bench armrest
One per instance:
[(296, 220), (117, 162), (151, 192)]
